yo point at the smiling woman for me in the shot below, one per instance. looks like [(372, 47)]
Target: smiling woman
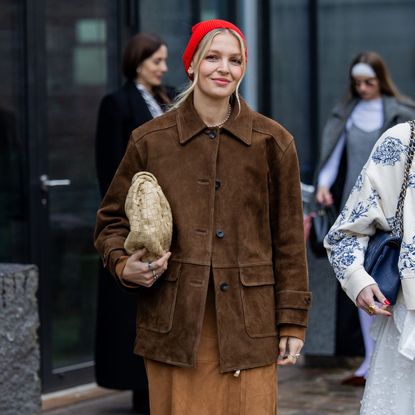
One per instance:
[(232, 294), (152, 69), (219, 74), (216, 67)]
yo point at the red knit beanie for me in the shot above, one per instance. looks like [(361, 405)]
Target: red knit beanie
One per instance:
[(199, 30)]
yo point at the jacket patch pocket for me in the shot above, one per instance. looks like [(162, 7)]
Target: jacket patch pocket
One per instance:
[(258, 300), (156, 304)]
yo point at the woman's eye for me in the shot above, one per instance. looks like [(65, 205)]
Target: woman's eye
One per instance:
[(212, 57), (236, 61)]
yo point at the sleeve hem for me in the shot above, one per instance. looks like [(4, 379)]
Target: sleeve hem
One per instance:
[(292, 330), (356, 282)]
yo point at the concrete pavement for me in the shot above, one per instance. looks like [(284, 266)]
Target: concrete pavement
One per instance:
[(303, 390), (308, 390)]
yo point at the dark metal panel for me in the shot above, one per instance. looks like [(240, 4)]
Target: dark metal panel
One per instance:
[(128, 22), (35, 84), (232, 10), (195, 11), (313, 72), (264, 68)]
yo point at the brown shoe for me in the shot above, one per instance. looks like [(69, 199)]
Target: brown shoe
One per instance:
[(354, 381)]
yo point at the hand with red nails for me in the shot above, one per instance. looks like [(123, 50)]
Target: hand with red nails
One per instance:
[(367, 299)]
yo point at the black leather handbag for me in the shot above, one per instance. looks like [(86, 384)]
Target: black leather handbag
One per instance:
[(323, 220), (382, 252)]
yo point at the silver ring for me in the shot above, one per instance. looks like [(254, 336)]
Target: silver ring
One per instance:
[(149, 266), (295, 356)]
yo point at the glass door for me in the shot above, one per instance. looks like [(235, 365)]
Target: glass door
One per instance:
[(80, 42), (13, 188)]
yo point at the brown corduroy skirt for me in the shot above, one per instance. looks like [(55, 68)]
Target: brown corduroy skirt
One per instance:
[(203, 390)]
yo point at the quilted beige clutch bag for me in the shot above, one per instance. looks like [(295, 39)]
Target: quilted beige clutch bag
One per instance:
[(150, 218)]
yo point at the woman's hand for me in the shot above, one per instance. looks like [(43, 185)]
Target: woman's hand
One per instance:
[(366, 301), (324, 196), (290, 348), (144, 273)]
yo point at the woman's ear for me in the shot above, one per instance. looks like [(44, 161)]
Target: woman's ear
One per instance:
[(190, 72)]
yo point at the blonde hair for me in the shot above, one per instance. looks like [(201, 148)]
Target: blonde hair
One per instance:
[(200, 54)]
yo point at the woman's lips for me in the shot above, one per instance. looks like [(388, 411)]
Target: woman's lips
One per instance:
[(221, 81)]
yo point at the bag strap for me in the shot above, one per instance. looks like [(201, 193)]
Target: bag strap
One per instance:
[(398, 222)]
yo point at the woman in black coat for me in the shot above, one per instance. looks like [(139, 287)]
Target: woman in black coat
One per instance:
[(139, 100)]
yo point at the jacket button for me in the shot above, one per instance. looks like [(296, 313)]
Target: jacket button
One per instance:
[(217, 184), (224, 286), (220, 234), (307, 300), (211, 134)]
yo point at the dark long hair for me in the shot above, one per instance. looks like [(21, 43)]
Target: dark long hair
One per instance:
[(138, 49), (374, 60)]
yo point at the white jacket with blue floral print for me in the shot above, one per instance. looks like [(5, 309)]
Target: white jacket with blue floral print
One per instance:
[(371, 205)]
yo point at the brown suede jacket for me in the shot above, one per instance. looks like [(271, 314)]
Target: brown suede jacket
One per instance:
[(238, 224)]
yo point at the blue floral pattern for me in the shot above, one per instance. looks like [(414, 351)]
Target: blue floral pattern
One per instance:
[(344, 245), (359, 211), (389, 151), (407, 256), (359, 182), (333, 237), (344, 255), (411, 181), (362, 208)]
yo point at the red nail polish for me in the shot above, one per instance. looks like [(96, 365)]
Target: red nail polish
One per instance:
[(387, 302)]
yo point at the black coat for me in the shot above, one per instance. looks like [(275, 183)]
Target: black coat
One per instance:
[(116, 366)]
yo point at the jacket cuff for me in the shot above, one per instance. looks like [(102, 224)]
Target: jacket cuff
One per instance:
[(292, 307), (119, 268), (291, 330), (356, 281), (112, 251)]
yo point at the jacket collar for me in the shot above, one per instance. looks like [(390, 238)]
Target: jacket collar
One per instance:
[(390, 104), (344, 109), (137, 104), (189, 123)]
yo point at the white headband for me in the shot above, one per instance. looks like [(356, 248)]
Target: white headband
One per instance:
[(363, 69)]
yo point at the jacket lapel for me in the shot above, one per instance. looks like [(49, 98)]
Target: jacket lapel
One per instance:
[(138, 107)]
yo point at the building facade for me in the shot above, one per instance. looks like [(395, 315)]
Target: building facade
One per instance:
[(59, 58)]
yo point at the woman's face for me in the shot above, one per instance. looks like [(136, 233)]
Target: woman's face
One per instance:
[(151, 70), (221, 68), (367, 87)]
